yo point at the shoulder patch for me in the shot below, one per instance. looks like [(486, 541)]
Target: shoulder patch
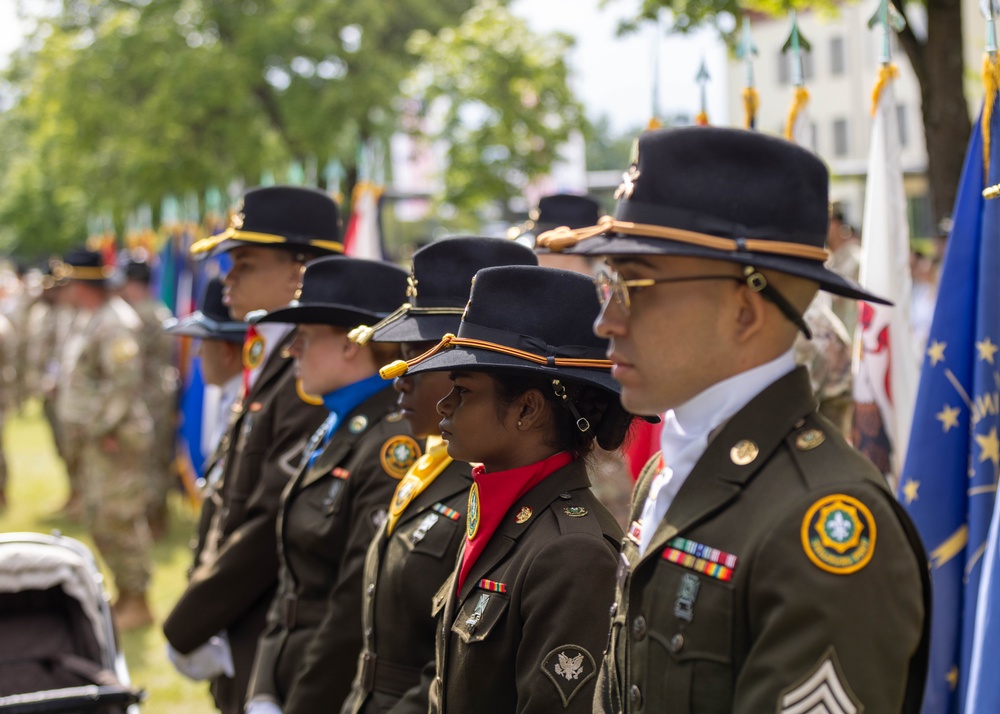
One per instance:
[(824, 688), (398, 454), (569, 667), (124, 349), (838, 534), (253, 352)]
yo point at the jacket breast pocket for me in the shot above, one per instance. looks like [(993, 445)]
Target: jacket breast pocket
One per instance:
[(691, 636), (479, 615), (432, 535)]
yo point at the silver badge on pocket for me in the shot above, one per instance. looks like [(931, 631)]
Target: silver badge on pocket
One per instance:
[(477, 614), (687, 593)]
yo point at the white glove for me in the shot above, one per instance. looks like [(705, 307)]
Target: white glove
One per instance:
[(262, 706), (212, 659)]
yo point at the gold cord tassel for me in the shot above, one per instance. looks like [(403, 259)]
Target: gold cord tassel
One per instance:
[(751, 101), (885, 73), (799, 102), (990, 84)]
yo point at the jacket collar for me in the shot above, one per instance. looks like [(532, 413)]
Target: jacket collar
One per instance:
[(726, 467), (373, 410), (569, 478)]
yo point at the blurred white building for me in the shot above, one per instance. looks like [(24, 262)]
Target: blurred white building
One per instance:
[(840, 73)]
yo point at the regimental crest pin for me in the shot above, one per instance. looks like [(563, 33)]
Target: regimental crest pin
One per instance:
[(253, 352), (809, 439), (472, 519), (575, 511), (523, 515), (358, 424)]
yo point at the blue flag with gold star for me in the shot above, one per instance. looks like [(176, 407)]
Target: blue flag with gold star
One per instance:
[(949, 479)]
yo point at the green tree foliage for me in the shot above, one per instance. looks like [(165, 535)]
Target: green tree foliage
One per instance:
[(118, 103), (498, 95)]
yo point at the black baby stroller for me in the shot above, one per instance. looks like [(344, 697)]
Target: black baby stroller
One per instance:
[(58, 651)]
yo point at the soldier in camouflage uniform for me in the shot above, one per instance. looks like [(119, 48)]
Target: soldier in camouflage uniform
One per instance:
[(101, 407), (49, 324), (7, 351), (159, 380), (19, 305), (828, 357)]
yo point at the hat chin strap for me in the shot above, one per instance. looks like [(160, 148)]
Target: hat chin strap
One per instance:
[(758, 283)]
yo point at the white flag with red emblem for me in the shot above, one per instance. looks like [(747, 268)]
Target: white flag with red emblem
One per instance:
[(885, 363)]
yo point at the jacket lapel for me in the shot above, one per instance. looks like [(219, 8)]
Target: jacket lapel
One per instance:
[(455, 478), (569, 478), (343, 442), (726, 467)]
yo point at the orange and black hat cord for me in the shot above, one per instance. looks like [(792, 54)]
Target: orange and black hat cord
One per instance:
[(400, 367), (559, 239)]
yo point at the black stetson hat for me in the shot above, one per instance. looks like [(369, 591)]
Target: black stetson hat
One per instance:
[(285, 217), (726, 194), (211, 321), (438, 287), (560, 209), (344, 292), (524, 319), (84, 265), (565, 209)]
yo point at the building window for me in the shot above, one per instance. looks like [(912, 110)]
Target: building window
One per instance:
[(840, 144), (901, 124), (837, 56)]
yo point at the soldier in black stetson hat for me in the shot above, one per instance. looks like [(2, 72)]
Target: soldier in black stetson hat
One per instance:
[(560, 209), (273, 232), (339, 496), (106, 423), (220, 351), (524, 616), (415, 551), (762, 546)]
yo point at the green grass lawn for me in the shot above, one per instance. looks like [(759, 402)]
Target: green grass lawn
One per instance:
[(37, 489)]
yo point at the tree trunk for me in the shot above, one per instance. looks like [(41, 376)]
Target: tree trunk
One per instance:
[(937, 63)]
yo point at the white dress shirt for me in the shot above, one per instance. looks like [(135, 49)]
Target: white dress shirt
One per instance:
[(688, 429)]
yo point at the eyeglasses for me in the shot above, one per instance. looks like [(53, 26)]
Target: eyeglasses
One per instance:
[(612, 285)]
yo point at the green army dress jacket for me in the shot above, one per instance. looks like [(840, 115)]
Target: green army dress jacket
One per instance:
[(526, 630), (784, 577), (329, 515), (403, 571), (236, 570)]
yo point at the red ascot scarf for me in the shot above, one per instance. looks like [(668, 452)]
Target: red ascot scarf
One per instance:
[(498, 492)]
